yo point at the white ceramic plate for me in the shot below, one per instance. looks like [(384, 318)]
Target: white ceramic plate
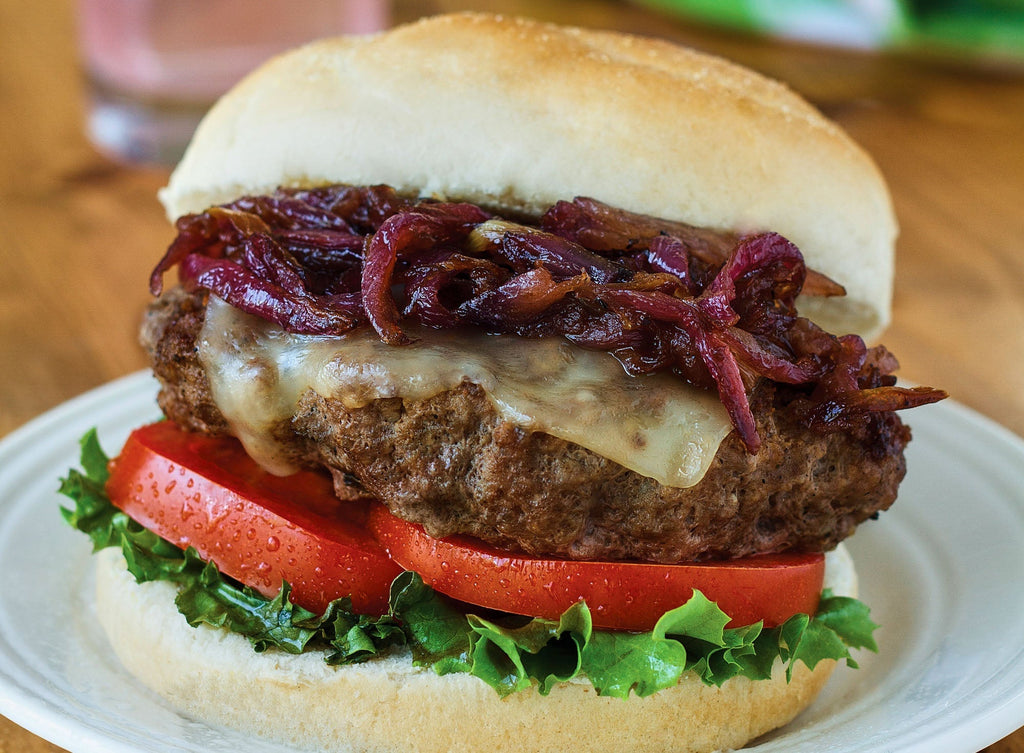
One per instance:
[(943, 572)]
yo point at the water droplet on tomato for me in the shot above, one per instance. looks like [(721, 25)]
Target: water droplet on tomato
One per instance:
[(170, 487), (251, 534), (504, 582), (273, 544)]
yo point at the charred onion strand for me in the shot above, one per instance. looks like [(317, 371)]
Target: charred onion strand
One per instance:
[(423, 228), (716, 309)]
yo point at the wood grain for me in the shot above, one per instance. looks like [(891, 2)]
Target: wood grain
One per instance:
[(78, 233)]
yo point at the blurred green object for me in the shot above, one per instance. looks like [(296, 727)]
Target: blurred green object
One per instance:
[(978, 30)]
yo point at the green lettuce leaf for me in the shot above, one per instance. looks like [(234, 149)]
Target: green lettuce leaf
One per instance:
[(508, 652)]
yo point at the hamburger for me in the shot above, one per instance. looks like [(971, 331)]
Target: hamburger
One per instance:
[(502, 409)]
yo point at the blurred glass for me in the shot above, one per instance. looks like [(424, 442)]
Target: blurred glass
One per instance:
[(155, 66)]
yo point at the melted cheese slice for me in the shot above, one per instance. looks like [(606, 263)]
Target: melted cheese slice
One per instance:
[(655, 425)]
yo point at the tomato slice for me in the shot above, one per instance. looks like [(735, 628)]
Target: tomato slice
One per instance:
[(258, 528), (621, 595), (262, 529)]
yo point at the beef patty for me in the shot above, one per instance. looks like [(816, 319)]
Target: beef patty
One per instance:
[(451, 463)]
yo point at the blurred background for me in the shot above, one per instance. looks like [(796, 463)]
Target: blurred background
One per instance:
[(98, 97), (153, 66)]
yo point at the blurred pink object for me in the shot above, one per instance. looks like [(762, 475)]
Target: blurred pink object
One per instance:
[(155, 65)]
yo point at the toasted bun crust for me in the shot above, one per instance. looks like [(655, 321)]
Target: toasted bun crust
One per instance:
[(389, 705), (515, 114)]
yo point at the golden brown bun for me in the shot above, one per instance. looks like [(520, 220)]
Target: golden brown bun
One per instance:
[(389, 705), (515, 114)]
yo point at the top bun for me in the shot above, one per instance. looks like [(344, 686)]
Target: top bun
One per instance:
[(514, 114)]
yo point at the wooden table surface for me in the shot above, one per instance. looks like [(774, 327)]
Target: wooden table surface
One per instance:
[(79, 234)]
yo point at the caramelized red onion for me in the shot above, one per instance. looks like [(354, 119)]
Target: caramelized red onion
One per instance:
[(424, 228), (714, 308)]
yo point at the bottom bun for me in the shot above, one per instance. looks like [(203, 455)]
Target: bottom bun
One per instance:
[(390, 705)]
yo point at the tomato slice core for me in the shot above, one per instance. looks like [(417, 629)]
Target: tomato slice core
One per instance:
[(621, 595), (260, 529)]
